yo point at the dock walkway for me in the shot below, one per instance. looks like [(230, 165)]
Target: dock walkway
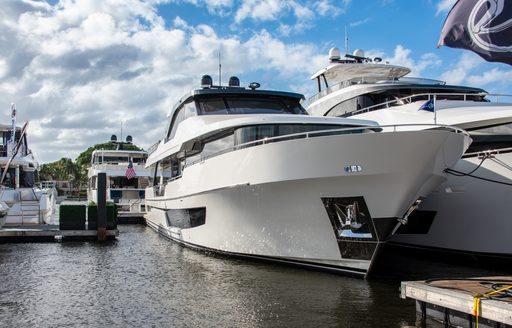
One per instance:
[(47, 232), (472, 302)]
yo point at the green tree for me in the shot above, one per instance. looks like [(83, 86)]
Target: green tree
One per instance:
[(76, 172), (83, 161)]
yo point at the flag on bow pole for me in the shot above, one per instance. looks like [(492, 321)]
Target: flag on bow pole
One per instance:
[(482, 26)]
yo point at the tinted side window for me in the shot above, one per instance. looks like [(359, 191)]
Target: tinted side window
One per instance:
[(181, 114)]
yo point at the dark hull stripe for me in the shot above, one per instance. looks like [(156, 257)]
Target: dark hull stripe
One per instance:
[(496, 256), (303, 264)]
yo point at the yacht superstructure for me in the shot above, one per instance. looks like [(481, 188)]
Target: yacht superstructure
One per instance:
[(127, 179), (28, 203), (246, 172), (475, 196)]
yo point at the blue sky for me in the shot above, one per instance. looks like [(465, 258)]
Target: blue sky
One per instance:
[(76, 69)]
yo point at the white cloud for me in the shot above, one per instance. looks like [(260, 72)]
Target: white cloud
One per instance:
[(304, 14), (326, 8), (259, 10), (458, 74), (444, 6), (473, 71), (402, 57), (489, 77), (77, 69), (360, 22), (3, 68)]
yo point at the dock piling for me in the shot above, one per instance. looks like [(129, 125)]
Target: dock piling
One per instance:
[(102, 206)]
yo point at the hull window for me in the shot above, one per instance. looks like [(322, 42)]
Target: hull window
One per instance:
[(186, 218)]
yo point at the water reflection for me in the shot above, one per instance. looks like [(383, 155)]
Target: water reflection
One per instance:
[(143, 279)]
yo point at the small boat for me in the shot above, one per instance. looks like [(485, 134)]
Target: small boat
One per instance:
[(28, 203), (475, 194), (127, 178), (246, 172)]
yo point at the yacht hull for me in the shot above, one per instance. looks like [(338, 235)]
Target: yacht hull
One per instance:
[(470, 215), (289, 201)]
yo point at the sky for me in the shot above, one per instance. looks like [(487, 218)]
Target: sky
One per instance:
[(82, 70)]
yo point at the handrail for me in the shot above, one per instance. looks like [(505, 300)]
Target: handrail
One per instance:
[(309, 134), (375, 79), (348, 83), (153, 147), (488, 152), (429, 96)]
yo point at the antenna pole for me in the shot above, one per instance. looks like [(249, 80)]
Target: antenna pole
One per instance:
[(220, 71), (121, 131), (346, 40)]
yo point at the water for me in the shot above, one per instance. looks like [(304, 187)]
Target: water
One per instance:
[(144, 280)]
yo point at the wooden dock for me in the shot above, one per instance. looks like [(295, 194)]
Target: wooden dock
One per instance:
[(472, 302), (47, 232)]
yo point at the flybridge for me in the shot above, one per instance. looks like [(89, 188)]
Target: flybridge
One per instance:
[(357, 65)]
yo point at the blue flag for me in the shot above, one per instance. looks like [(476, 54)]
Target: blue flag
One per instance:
[(482, 26), (428, 106)]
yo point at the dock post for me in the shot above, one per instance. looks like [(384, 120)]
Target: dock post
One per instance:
[(102, 206)]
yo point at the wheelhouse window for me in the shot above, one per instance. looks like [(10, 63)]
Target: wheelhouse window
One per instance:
[(211, 148), (187, 110), (249, 136), (6, 137), (248, 104), (400, 96)]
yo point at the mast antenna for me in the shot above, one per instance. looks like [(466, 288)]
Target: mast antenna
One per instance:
[(220, 70), (346, 40)]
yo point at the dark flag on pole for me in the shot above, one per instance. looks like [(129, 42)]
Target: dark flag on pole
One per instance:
[(483, 26)]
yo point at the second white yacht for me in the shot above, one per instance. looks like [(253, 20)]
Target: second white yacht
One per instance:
[(127, 178), (469, 213), (246, 172)]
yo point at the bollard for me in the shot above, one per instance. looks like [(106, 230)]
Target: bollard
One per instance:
[(102, 206)]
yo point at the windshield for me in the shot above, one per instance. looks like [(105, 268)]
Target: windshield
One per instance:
[(221, 105)]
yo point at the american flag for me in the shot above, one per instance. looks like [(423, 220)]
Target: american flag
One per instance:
[(130, 172)]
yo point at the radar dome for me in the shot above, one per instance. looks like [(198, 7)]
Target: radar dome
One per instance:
[(358, 53), (234, 81), (206, 81), (334, 54)]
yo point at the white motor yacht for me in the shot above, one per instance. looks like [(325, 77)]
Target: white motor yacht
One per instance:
[(127, 178), (28, 203), (246, 172), (468, 213)]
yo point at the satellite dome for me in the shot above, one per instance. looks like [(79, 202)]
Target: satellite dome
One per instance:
[(358, 53), (334, 54)]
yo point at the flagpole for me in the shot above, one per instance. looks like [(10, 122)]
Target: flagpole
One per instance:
[(435, 111)]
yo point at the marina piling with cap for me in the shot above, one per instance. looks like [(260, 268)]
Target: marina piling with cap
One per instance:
[(102, 206)]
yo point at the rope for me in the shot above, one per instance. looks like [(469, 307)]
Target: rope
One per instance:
[(478, 297), (470, 174), (473, 171), (477, 301)]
